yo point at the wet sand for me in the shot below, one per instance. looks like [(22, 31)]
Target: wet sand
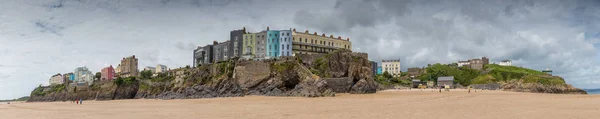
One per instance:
[(457, 104)]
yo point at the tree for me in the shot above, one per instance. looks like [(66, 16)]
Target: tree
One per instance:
[(146, 74), (387, 75), (98, 75)]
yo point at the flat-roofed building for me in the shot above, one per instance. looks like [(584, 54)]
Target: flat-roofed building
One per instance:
[(313, 43), (203, 55), (392, 67)]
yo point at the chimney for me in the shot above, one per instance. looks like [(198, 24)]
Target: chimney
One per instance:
[(294, 30), (348, 39), (267, 28), (339, 37), (215, 42), (133, 56), (315, 33), (244, 29), (331, 36), (323, 35), (306, 32)]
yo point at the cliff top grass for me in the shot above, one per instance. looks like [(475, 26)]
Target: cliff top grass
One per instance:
[(492, 73), (513, 69)]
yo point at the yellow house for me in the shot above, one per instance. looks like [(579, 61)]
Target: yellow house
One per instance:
[(306, 43), (249, 44)]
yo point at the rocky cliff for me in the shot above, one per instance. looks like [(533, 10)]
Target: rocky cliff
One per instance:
[(346, 71), (287, 76)]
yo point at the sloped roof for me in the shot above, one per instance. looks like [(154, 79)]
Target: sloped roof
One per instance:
[(446, 78)]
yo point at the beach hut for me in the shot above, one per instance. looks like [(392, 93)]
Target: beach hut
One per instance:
[(445, 80), (415, 83)]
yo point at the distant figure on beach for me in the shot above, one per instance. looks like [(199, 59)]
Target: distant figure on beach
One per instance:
[(80, 101), (469, 89), (76, 101), (440, 89)]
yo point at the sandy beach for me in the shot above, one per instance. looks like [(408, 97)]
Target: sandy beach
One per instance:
[(414, 104)]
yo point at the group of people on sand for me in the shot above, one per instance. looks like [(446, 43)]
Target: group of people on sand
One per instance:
[(79, 102)]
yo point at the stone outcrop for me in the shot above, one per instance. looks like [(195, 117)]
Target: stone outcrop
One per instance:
[(350, 71), (519, 86)]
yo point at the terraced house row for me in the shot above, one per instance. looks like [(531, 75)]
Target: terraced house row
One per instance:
[(268, 44)]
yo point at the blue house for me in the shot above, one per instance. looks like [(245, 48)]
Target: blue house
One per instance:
[(273, 43)]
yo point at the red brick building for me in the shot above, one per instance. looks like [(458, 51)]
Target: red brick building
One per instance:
[(108, 73)]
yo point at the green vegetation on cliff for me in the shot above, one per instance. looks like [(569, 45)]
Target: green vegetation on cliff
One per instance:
[(492, 73)]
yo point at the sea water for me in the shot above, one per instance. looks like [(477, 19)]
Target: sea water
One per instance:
[(592, 91)]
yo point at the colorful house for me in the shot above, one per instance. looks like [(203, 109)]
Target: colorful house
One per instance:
[(249, 44), (285, 41), (108, 73), (272, 43)]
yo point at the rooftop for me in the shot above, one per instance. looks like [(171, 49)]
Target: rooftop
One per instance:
[(446, 78)]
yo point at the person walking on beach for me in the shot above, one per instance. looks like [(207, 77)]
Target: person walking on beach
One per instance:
[(81, 101), (76, 101), (469, 89)]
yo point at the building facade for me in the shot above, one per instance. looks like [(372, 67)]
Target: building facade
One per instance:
[(221, 51), (83, 76), (379, 70), (149, 68), (374, 67), (235, 46), (161, 68), (129, 67), (391, 66), (285, 43), (249, 45), (446, 80), (505, 63), (57, 79), (261, 45), (203, 55), (307, 43), (272, 43), (477, 64), (107, 73), (69, 77)]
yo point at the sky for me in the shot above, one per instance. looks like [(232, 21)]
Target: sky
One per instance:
[(39, 38)]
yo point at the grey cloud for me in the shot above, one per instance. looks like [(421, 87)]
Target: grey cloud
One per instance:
[(48, 28), (535, 34)]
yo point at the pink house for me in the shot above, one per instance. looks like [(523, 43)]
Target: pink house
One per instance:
[(108, 73)]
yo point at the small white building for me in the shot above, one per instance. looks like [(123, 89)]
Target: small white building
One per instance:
[(161, 68), (505, 63), (463, 63), (57, 79)]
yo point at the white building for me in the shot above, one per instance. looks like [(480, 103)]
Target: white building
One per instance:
[(57, 79), (463, 63), (83, 75), (161, 68), (391, 66), (505, 63), (152, 69)]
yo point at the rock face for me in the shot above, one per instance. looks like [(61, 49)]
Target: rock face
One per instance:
[(286, 76), (98, 91), (351, 72), (518, 86)]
